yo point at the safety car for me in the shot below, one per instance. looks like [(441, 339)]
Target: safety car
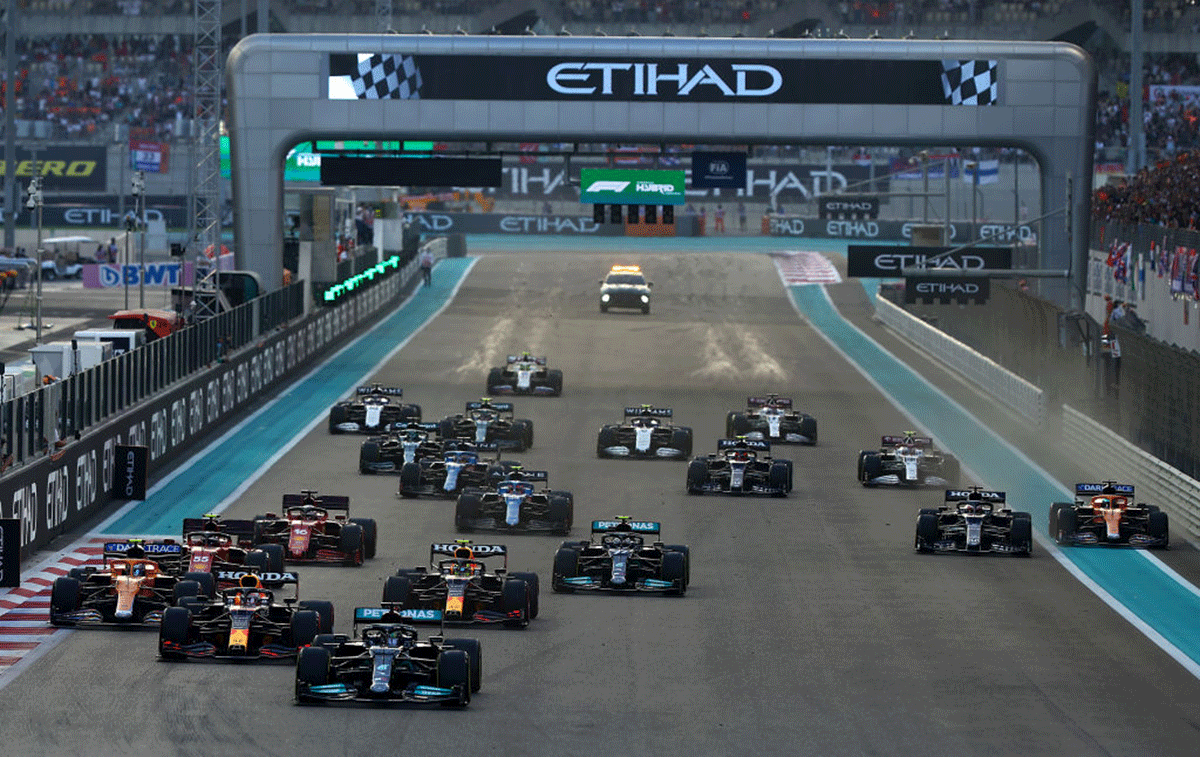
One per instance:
[(487, 421), (1106, 513), (907, 460), (524, 374), (620, 560), (372, 409), (974, 520), (740, 466), (645, 432), (625, 286), (772, 418), (516, 503), (317, 529)]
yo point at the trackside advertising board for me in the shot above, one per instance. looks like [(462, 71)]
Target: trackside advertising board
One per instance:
[(10, 553), (622, 186)]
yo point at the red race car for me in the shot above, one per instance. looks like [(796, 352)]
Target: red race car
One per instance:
[(317, 529)]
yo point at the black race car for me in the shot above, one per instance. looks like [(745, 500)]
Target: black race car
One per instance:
[(772, 418), (621, 561), (372, 409), (645, 433), (245, 622), (740, 466), (1105, 513), (516, 504), (488, 421), (385, 663), (525, 374), (406, 443), (129, 590), (461, 590), (625, 287), (907, 460), (974, 520), (459, 467), (309, 533)]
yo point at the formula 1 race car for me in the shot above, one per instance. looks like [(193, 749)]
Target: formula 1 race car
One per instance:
[(214, 544), (907, 460), (310, 534), (372, 409), (773, 419), (129, 590), (516, 504), (244, 622), (408, 443), (487, 421), (621, 561), (974, 520), (385, 663), (525, 374), (625, 287), (644, 434), (740, 466), (461, 590), (458, 468), (1105, 513)]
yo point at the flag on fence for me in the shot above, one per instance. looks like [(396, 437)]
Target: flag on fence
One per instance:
[(1121, 271), (1194, 274), (1177, 263), (1162, 258), (1115, 251)]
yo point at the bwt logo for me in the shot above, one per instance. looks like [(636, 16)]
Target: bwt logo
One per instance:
[(156, 274)]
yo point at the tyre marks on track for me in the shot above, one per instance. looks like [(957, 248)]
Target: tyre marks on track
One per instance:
[(735, 350), (805, 267)]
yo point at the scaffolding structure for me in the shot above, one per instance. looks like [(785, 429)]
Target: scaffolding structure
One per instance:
[(205, 212), (383, 15)]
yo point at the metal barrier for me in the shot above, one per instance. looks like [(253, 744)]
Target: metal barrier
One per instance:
[(987, 374), (1096, 447)]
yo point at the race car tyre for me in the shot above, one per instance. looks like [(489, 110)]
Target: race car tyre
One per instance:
[(495, 379), (368, 453), (927, 532), (261, 525), (808, 428), (777, 478), (554, 378), (674, 569), (454, 669), (1158, 527), (274, 554), (1055, 509), (410, 479), (928, 511), (681, 439), (862, 455), (446, 429), (870, 468), (324, 611), (64, 597), (175, 628), (79, 574), (337, 414), (305, 626), (741, 425), (605, 439), (466, 510), (515, 598), (791, 472), (185, 590), (474, 650), (370, 535), (646, 309), (331, 640), (396, 590), (950, 469), (206, 581), (1020, 535), (535, 589), (566, 565), (697, 476), (526, 427), (1066, 525), (729, 424), (312, 669), (350, 541), (562, 511), (257, 558), (687, 553)]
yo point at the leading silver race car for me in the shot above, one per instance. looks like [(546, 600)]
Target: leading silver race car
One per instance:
[(772, 418), (646, 432), (372, 409), (525, 374), (907, 460)]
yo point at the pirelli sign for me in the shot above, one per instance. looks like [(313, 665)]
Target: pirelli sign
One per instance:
[(82, 168)]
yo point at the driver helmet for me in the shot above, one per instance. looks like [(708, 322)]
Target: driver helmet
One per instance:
[(742, 456), (462, 568)]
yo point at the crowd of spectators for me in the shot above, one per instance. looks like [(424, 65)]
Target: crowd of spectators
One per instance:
[(1171, 118), (1163, 194)]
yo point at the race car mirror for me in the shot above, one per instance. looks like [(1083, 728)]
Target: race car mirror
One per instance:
[(10, 553)]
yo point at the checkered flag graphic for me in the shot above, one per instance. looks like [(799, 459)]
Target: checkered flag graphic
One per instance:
[(970, 82), (387, 77)]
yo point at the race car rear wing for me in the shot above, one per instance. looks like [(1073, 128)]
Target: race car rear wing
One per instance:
[(783, 402), (239, 529), (500, 407), (895, 441), (529, 475), (406, 425), (518, 359), (152, 549), (269, 579), (478, 551), (626, 526), (754, 444), (390, 615), (391, 391), (325, 501), (1108, 487), (975, 495), (657, 412)]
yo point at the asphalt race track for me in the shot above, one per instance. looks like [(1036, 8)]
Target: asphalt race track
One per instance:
[(810, 628)]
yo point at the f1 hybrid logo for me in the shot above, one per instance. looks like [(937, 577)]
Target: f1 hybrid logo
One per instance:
[(607, 186), (645, 79)]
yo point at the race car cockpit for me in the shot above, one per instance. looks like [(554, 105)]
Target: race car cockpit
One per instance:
[(391, 637), (621, 541), (307, 513), (209, 539)]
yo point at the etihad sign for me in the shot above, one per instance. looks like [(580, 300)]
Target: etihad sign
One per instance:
[(649, 80)]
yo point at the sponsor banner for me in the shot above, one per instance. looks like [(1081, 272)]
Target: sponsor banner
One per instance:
[(621, 186), (888, 261), (73, 168), (499, 223), (895, 231), (981, 172), (938, 163), (150, 157), (930, 289), (379, 171), (399, 76), (847, 206), (719, 170), (10, 553), (103, 211), (132, 471)]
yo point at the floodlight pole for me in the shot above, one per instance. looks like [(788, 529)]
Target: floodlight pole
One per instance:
[(139, 197)]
